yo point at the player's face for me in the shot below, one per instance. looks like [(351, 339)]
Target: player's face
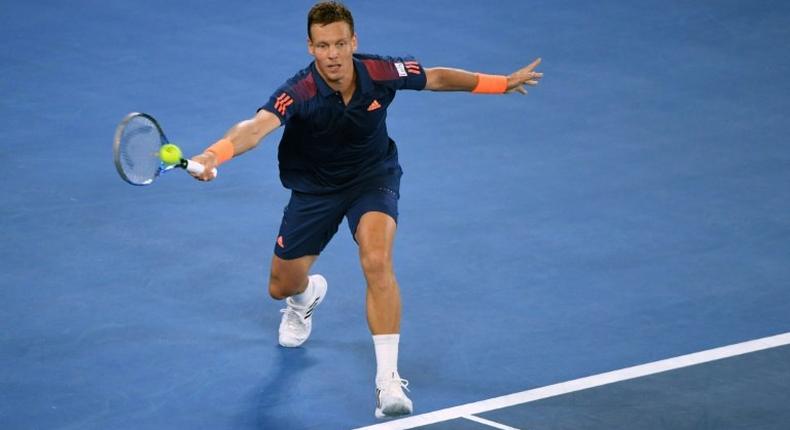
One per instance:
[(332, 45)]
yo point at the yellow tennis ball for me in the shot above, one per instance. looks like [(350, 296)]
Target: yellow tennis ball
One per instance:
[(170, 154)]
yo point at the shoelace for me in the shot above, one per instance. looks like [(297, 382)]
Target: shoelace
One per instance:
[(292, 318), (396, 383), (403, 383)]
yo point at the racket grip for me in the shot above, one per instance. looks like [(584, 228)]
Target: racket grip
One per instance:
[(197, 168)]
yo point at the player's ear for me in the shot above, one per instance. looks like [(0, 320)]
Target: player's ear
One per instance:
[(354, 43), (310, 46)]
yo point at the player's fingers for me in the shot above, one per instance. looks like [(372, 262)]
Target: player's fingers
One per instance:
[(531, 83), (532, 65), (208, 172), (531, 77), (199, 176)]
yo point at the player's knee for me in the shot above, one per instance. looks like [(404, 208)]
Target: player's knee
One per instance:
[(279, 288), (376, 264), (275, 291)]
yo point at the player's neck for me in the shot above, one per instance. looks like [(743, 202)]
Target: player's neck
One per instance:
[(348, 91), (344, 86)]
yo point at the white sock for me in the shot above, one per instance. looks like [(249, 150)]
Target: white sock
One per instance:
[(304, 298), (386, 346)]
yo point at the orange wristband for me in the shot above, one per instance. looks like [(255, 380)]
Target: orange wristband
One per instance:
[(223, 150), (490, 84)]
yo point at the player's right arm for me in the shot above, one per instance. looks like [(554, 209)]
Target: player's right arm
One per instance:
[(242, 137)]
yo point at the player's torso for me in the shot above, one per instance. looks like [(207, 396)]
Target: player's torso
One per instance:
[(330, 144), (329, 127)]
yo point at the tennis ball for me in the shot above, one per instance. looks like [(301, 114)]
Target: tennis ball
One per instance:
[(170, 154)]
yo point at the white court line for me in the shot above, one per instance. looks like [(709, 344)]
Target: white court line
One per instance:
[(584, 383), (489, 423)]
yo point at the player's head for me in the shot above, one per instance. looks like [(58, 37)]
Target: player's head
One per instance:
[(328, 12), (331, 40)]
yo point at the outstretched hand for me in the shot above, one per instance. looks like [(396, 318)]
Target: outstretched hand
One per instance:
[(209, 161), (524, 76)]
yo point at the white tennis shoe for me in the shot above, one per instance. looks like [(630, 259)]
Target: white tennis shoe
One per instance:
[(391, 401), (297, 321)]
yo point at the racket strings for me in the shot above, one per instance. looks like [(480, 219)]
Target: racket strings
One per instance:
[(139, 150)]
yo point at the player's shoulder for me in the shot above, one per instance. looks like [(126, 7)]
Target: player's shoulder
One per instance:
[(301, 86), (383, 68)]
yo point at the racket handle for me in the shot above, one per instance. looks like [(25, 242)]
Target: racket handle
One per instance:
[(197, 168)]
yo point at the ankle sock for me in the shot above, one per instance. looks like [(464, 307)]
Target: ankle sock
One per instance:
[(386, 346), (303, 298)]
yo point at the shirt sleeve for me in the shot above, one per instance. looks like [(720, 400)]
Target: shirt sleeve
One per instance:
[(411, 74), (282, 104), (401, 73)]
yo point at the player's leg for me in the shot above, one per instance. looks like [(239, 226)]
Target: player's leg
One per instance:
[(375, 235), (309, 222), (372, 219), (288, 278)]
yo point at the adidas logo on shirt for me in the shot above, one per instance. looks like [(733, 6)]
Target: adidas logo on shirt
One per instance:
[(375, 105)]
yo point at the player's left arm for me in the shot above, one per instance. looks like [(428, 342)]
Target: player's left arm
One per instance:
[(448, 79)]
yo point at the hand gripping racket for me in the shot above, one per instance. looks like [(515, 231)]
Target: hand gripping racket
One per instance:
[(136, 149)]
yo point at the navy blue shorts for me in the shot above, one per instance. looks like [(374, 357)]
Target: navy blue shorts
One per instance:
[(311, 220)]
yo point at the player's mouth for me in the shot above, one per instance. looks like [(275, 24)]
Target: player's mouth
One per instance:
[(334, 68)]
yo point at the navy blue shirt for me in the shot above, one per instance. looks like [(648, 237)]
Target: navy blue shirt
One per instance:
[(328, 146)]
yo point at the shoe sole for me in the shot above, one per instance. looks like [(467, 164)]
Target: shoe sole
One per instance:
[(393, 411)]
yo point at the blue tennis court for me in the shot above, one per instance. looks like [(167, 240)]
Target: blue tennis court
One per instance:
[(735, 386), (633, 208)]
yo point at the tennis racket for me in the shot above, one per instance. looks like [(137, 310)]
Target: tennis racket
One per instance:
[(138, 139)]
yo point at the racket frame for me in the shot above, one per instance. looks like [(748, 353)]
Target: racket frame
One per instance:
[(189, 165)]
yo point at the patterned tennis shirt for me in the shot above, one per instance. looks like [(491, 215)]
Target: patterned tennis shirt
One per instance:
[(328, 146)]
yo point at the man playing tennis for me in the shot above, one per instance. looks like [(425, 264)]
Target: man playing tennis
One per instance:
[(337, 159)]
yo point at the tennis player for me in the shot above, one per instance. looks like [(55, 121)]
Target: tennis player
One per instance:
[(338, 160)]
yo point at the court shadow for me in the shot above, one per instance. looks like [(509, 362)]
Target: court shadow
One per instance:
[(274, 404)]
